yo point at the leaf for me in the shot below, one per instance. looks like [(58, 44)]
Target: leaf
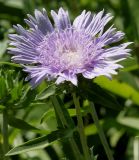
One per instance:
[(64, 120), (11, 11), (3, 47), (97, 94), (17, 91), (41, 142), (131, 122), (129, 79), (136, 147), (3, 89), (133, 5), (62, 112), (46, 93), (50, 113), (15, 3), (91, 129), (29, 6), (131, 68), (10, 64), (126, 11), (20, 124), (27, 98), (130, 64), (119, 88), (2, 108)]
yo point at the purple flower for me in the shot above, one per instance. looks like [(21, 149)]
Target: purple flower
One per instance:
[(64, 51)]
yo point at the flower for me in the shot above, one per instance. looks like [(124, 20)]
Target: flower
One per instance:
[(63, 51)]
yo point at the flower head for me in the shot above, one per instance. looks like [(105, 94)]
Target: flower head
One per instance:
[(66, 49)]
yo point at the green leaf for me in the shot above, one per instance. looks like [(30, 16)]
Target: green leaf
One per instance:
[(133, 5), (64, 120), (3, 89), (10, 11), (46, 93), (131, 122), (129, 79), (17, 91), (41, 142), (50, 113), (27, 98), (2, 107), (29, 5), (20, 124), (62, 112), (95, 93), (3, 47), (9, 77), (15, 3), (119, 88), (136, 147), (91, 129), (10, 64), (131, 68)]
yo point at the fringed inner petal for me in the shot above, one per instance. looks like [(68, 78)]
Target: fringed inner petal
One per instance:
[(66, 50)]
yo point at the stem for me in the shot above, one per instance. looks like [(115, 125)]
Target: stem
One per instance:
[(65, 123), (5, 133), (101, 132), (81, 127)]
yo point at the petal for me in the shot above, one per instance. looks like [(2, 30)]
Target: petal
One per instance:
[(61, 19), (20, 30), (79, 21), (38, 74), (92, 24), (66, 76), (60, 80), (117, 52), (110, 36), (43, 22), (102, 68)]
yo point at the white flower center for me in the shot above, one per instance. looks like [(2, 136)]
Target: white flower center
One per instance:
[(71, 58)]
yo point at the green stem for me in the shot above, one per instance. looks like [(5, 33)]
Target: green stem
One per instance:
[(5, 133), (81, 128), (65, 123), (101, 132)]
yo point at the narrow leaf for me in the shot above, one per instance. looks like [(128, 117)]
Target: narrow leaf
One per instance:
[(41, 142), (46, 92), (20, 124), (130, 122), (10, 64)]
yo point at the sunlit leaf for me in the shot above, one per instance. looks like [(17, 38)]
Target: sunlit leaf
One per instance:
[(131, 122), (119, 88)]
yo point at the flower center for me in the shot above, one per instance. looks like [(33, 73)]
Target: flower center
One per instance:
[(71, 58), (65, 50)]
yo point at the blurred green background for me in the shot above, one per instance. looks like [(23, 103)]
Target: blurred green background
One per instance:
[(117, 101)]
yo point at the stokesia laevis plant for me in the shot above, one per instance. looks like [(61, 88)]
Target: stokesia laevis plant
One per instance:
[(63, 51)]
